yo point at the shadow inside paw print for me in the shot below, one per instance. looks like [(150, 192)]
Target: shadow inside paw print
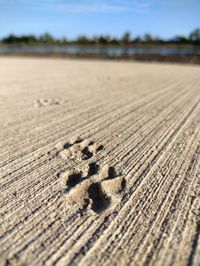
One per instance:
[(93, 188), (87, 154), (73, 180), (99, 199)]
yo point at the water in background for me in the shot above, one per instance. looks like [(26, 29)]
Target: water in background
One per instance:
[(107, 51)]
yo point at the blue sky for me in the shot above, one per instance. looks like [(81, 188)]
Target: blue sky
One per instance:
[(72, 18)]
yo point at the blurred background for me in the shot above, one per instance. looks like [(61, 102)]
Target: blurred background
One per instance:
[(147, 30)]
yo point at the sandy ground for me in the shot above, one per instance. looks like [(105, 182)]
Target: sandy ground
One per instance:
[(99, 163)]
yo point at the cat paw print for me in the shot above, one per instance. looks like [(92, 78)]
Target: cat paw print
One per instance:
[(93, 188), (82, 149)]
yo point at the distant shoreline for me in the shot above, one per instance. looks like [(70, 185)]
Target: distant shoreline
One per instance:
[(185, 59), (168, 45)]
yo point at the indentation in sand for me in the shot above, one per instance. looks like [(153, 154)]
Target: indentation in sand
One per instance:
[(89, 186), (42, 102), (96, 190), (83, 149)]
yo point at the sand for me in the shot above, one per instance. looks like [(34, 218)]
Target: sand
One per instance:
[(99, 163)]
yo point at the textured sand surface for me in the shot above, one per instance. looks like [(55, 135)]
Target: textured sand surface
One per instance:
[(99, 163)]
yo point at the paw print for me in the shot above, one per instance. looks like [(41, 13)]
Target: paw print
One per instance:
[(46, 102), (82, 149), (93, 188)]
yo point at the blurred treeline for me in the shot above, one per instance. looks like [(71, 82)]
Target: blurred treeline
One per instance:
[(47, 39)]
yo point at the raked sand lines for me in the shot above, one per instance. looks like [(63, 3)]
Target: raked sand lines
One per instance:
[(100, 163)]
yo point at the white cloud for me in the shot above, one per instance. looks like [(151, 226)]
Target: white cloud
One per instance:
[(84, 6), (104, 6)]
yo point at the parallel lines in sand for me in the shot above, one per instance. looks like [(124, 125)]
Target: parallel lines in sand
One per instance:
[(18, 174), (151, 137), (128, 218), (62, 125)]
